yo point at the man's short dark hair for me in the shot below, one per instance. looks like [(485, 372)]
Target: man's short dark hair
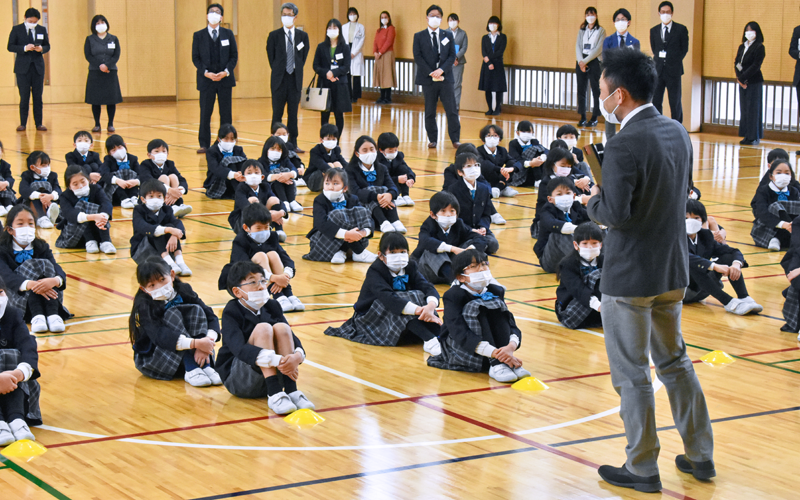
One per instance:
[(33, 13), (432, 8), (631, 70), (625, 13), (221, 10), (666, 4)]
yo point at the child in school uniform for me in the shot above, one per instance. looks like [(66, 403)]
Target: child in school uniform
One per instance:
[(39, 189), (777, 154), (35, 281), (791, 267), (775, 205), (560, 163), (558, 219), (172, 331), (569, 134), (394, 160), (260, 355), (497, 166), (578, 294), (83, 156), (327, 154), (86, 214), (474, 199), (255, 189), (224, 158), (479, 331), (395, 299), (371, 183), (158, 167), (341, 224), (709, 261), (280, 131), (19, 369), (529, 153), (451, 176), (281, 173), (255, 242), (441, 237), (120, 174), (156, 230), (8, 197)]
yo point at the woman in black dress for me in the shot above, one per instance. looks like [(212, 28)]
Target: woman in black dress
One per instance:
[(102, 85), (748, 73), (493, 72), (331, 64)]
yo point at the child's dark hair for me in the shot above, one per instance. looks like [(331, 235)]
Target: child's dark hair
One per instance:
[(277, 126), (157, 143), (256, 213), (587, 231), (152, 186), (38, 156), (777, 153), (442, 200), (333, 173), (557, 182), (388, 140), (466, 259), (392, 241), (271, 143), (694, 207), (466, 147), (556, 155), (2, 281), (463, 158), (144, 307), (491, 128), (360, 142), (252, 163), (558, 144), (239, 272), (328, 130), (112, 141), (72, 171), (5, 237), (775, 164), (225, 129), (525, 126), (78, 135), (566, 130)]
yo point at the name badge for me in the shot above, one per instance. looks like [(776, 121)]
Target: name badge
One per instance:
[(112, 45), (339, 56), (40, 36), (301, 45), (225, 43), (445, 42), (739, 66), (587, 46), (662, 54)]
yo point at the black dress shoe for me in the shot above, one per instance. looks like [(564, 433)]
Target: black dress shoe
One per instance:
[(703, 471), (582, 123), (489, 113), (299, 151), (621, 476), (456, 144), (592, 122), (785, 328), (496, 113), (745, 142), (432, 145)]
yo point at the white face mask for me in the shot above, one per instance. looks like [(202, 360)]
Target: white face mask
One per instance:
[(332, 195), (693, 226), (622, 26), (82, 192), (453, 24), (259, 236), (492, 141), (472, 173), (396, 262), (214, 18), (120, 153), (609, 116), (384, 21), (330, 143), (782, 180), (83, 147), (564, 202), (101, 28), (30, 26), (589, 254), (44, 172), (287, 21), (368, 158), (24, 235), (353, 18), (666, 18), (163, 293), (750, 35), (274, 156), (525, 136), (446, 221), (3, 304), (434, 22), (154, 204), (332, 34), (479, 280), (390, 156), (591, 19), (252, 179), (571, 143), (492, 27), (284, 138), (226, 146), (257, 299), (563, 171), (160, 158)]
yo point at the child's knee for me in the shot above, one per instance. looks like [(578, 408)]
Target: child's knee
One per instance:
[(164, 179), (261, 335), (282, 330), (261, 259)]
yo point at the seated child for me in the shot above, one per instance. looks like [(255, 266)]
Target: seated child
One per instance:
[(529, 153), (86, 214), (560, 163), (774, 207), (341, 225), (709, 261), (171, 329), (578, 293), (569, 134), (558, 219), (327, 154), (791, 266), (39, 189), (120, 174), (156, 230), (441, 237), (81, 156), (254, 189), (777, 154), (260, 355), (223, 159), (19, 369), (395, 298), (476, 321), (280, 131), (474, 199), (497, 166), (451, 176), (157, 166), (281, 173), (35, 281), (8, 197), (258, 244), (394, 160), (371, 183)]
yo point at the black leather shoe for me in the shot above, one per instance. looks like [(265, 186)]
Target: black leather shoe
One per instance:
[(592, 122), (489, 113), (745, 142), (582, 123), (622, 477), (703, 471), (432, 145)]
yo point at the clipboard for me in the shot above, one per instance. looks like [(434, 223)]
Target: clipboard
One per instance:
[(594, 157)]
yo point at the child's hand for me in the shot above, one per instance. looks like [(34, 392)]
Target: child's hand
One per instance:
[(734, 271), (582, 183), (428, 314), (410, 183), (301, 171), (46, 200), (506, 172), (95, 177), (200, 357), (8, 382), (456, 250), (174, 231), (281, 280), (337, 164), (277, 216), (287, 178), (385, 200), (481, 231), (353, 235), (44, 287), (537, 162), (401, 179), (172, 244), (205, 345), (173, 195), (793, 274), (3, 185), (289, 365), (719, 236), (238, 176), (787, 226), (719, 268)]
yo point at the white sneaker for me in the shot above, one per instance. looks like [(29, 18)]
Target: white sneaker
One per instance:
[(498, 219), (400, 201), (301, 401), (296, 304), (6, 437), (536, 184), (128, 203), (21, 430), (53, 212), (38, 324), (774, 245), (197, 378), (757, 308), (175, 267), (399, 227), (212, 375), (44, 223), (281, 403), (285, 303), (55, 324), (183, 269), (432, 347), (365, 256), (495, 192), (91, 247), (3, 211), (182, 210), (509, 192), (287, 207), (339, 257), (299, 182), (521, 372), (108, 248), (386, 227), (296, 207), (502, 373), (281, 235), (409, 201), (739, 307)]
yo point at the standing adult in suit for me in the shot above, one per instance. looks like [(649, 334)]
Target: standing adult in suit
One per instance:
[(493, 71), (354, 35), (29, 42), (645, 272), (794, 51), (332, 63), (461, 41), (749, 58), (102, 50), (619, 39), (435, 55), (669, 42), (214, 55), (587, 66), (287, 51)]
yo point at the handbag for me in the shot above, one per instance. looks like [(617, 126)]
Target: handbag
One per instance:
[(316, 98)]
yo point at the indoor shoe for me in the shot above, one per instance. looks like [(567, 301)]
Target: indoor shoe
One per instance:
[(175, 267), (339, 257), (301, 401), (365, 256), (774, 245), (108, 248), (44, 223), (757, 308), (387, 227), (212, 375), (739, 307), (197, 378), (300, 182), (55, 324), (296, 207), (38, 324), (281, 235), (509, 192), (495, 192), (409, 201), (281, 403), (521, 372), (286, 304), (498, 219), (700, 470), (400, 202), (128, 203), (432, 347), (621, 476), (296, 304), (21, 430), (184, 269), (181, 210), (6, 437), (91, 247), (502, 373), (399, 227)]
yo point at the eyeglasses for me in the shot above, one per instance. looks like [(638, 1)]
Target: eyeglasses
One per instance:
[(263, 282)]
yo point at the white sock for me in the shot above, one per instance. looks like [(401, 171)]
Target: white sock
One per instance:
[(179, 259), (168, 260), (9, 207), (267, 273)]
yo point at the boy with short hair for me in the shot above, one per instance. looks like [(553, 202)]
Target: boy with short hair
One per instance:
[(327, 154), (82, 156), (157, 166), (156, 230), (401, 174), (39, 189), (559, 218), (474, 198)]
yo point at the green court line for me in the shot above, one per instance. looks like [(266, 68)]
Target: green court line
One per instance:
[(762, 363), (784, 361), (33, 479), (530, 305)]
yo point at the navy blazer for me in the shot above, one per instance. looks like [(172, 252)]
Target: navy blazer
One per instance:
[(396, 167), (145, 222), (25, 180), (322, 207), (110, 167), (765, 197), (244, 248), (319, 159), (552, 220), (571, 285), (612, 41), (426, 59), (431, 236), (493, 163), (215, 170), (706, 248), (242, 200), (9, 265), (14, 334), (149, 170), (358, 182), (201, 56), (18, 39), (454, 299), (475, 213), (5, 173), (68, 201), (378, 286)]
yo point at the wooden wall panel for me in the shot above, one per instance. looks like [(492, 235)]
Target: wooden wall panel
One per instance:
[(8, 89), (190, 16), (254, 20), (150, 57), (69, 26)]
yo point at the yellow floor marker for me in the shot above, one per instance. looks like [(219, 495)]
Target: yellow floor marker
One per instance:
[(717, 358), (530, 384), (24, 448), (304, 419)]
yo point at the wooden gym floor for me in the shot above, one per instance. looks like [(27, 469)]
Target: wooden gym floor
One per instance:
[(394, 427)]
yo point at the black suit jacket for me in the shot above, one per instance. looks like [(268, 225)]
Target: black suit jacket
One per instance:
[(676, 45), (276, 55), (17, 41), (92, 161), (201, 56), (476, 213), (425, 56), (794, 51), (751, 64)]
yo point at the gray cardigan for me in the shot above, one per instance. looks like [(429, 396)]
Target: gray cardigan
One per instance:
[(596, 49), (460, 39), (97, 51)]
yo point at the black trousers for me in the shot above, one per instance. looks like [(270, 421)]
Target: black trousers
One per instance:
[(673, 88), (751, 125), (12, 405), (325, 118), (708, 283), (591, 77), (284, 192), (381, 215), (38, 305), (495, 329), (495, 178), (207, 99), (30, 83), (354, 84), (286, 94), (433, 93)]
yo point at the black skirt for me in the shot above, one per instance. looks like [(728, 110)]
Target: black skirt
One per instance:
[(103, 88)]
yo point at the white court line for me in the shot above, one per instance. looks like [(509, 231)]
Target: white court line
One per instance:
[(559, 324), (356, 379)]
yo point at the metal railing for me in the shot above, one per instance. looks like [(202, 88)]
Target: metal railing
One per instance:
[(721, 104), (406, 71)]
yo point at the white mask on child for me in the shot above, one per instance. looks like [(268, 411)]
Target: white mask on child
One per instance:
[(252, 180), (160, 159), (82, 192), (693, 226), (446, 221), (563, 171), (368, 158), (396, 262), (274, 156), (3, 304), (782, 180), (589, 254), (390, 156), (119, 154), (257, 299), (479, 280), (492, 141), (525, 136), (164, 293), (333, 195), (154, 204), (571, 143), (83, 147), (330, 143), (284, 138), (24, 235), (226, 146), (44, 172), (564, 202), (472, 173), (259, 236)]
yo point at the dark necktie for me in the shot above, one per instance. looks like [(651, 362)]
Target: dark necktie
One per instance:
[(31, 36), (566, 216), (214, 35), (435, 42), (622, 40), (84, 158), (289, 53), (472, 192)]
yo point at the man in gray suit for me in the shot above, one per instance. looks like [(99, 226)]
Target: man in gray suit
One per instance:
[(646, 170), (460, 40)]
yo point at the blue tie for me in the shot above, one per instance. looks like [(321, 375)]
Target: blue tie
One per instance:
[(124, 165), (399, 282), (339, 205), (22, 255), (526, 147), (472, 192), (84, 198), (274, 166), (178, 300), (487, 295), (587, 269), (783, 195), (226, 154), (566, 216), (371, 175), (84, 157)]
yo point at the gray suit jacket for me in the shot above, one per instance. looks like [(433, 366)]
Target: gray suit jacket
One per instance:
[(460, 39), (646, 169)]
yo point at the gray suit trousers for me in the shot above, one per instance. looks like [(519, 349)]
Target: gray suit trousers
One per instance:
[(458, 79), (633, 327)]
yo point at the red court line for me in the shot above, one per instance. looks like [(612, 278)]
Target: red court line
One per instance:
[(101, 287), (769, 352), (82, 347), (540, 300)]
